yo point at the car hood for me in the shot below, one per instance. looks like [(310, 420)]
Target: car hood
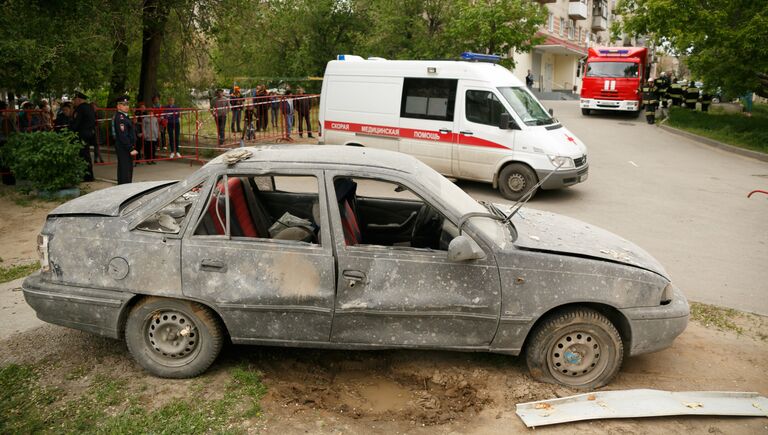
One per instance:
[(106, 202), (551, 232)]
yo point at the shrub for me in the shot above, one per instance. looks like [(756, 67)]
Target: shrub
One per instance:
[(49, 161)]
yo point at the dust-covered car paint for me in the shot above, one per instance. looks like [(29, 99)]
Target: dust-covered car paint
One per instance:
[(436, 276)]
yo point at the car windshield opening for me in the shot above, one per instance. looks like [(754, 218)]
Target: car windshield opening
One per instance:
[(627, 70), (526, 106)]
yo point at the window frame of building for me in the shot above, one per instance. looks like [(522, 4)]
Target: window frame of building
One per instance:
[(562, 24)]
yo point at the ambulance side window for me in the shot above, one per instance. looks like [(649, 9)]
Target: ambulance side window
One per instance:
[(428, 99), (483, 107)]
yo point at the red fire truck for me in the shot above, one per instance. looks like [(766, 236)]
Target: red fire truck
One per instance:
[(612, 79)]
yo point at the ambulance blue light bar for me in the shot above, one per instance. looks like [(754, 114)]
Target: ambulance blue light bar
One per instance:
[(479, 57)]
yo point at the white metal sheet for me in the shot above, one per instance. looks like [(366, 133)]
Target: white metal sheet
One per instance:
[(641, 403)]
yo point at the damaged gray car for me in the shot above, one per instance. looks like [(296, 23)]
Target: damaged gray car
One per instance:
[(346, 248)]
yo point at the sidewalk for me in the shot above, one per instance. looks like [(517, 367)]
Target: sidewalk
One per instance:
[(15, 315), (163, 170)]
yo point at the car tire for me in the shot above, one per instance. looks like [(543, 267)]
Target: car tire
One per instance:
[(585, 112), (172, 338), (515, 180), (578, 348)]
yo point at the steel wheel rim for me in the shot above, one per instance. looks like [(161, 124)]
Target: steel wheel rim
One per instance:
[(576, 357), (172, 337), (516, 182)]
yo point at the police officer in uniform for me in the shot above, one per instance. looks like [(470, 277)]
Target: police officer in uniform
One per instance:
[(691, 94), (84, 124), (125, 140), (675, 93), (650, 101)]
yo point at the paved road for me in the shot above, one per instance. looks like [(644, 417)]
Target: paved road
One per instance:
[(683, 202)]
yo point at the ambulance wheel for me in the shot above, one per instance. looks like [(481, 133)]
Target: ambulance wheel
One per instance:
[(515, 180), (585, 112)]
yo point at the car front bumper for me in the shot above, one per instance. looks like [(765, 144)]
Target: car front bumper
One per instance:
[(622, 105), (563, 178), (655, 328), (88, 309)]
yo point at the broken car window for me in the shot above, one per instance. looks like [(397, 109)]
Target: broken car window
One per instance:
[(169, 218), (263, 207), (384, 213)]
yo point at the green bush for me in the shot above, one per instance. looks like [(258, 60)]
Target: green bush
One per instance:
[(49, 161)]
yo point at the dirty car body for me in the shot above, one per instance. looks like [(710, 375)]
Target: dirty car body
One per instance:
[(340, 247)]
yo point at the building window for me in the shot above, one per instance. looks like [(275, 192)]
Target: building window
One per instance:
[(571, 28), (551, 23), (562, 26)]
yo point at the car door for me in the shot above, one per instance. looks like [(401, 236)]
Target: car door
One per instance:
[(266, 287), (481, 143), (427, 121), (400, 295)]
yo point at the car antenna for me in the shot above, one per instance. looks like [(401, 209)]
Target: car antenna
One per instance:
[(527, 196)]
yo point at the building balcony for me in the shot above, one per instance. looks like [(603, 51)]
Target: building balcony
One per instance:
[(599, 23), (577, 10)]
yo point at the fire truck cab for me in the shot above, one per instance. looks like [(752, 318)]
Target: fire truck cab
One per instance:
[(612, 79)]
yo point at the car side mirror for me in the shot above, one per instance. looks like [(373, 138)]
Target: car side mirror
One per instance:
[(462, 248), (507, 123)]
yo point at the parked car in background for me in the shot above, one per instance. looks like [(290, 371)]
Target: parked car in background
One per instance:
[(347, 248)]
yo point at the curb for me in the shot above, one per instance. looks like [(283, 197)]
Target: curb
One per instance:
[(717, 144)]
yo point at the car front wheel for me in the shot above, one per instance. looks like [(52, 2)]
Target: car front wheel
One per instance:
[(173, 338), (515, 180), (578, 348)]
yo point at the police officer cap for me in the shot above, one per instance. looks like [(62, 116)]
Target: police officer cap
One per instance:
[(123, 99), (81, 95)]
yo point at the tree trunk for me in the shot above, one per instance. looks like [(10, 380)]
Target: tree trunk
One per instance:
[(154, 17), (119, 64)]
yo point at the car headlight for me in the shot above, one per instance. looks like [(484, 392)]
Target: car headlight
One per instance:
[(567, 162)]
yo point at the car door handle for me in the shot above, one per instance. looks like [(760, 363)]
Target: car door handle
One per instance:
[(466, 133), (212, 266), (444, 131), (353, 277)]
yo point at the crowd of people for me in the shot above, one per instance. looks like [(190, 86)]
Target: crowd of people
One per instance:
[(258, 108), (139, 135), (667, 90)]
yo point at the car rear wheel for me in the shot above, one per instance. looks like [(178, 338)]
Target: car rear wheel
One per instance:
[(578, 348), (585, 112), (172, 338), (515, 180)]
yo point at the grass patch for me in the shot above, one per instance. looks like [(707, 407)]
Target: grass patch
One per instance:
[(731, 128), (115, 405), (15, 272), (714, 316)]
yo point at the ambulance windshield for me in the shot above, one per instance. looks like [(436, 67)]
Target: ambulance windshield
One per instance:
[(526, 106)]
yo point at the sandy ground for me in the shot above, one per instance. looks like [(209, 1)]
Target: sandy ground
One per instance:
[(314, 391)]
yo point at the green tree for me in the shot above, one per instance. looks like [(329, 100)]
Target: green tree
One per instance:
[(497, 26), (724, 41)]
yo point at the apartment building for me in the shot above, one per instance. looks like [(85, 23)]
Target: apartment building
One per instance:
[(571, 28)]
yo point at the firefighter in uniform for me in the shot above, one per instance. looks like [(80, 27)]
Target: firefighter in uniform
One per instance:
[(125, 140), (706, 100), (662, 84), (650, 100), (675, 93), (691, 94)]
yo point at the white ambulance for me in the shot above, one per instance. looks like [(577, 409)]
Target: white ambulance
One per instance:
[(466, 119)]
